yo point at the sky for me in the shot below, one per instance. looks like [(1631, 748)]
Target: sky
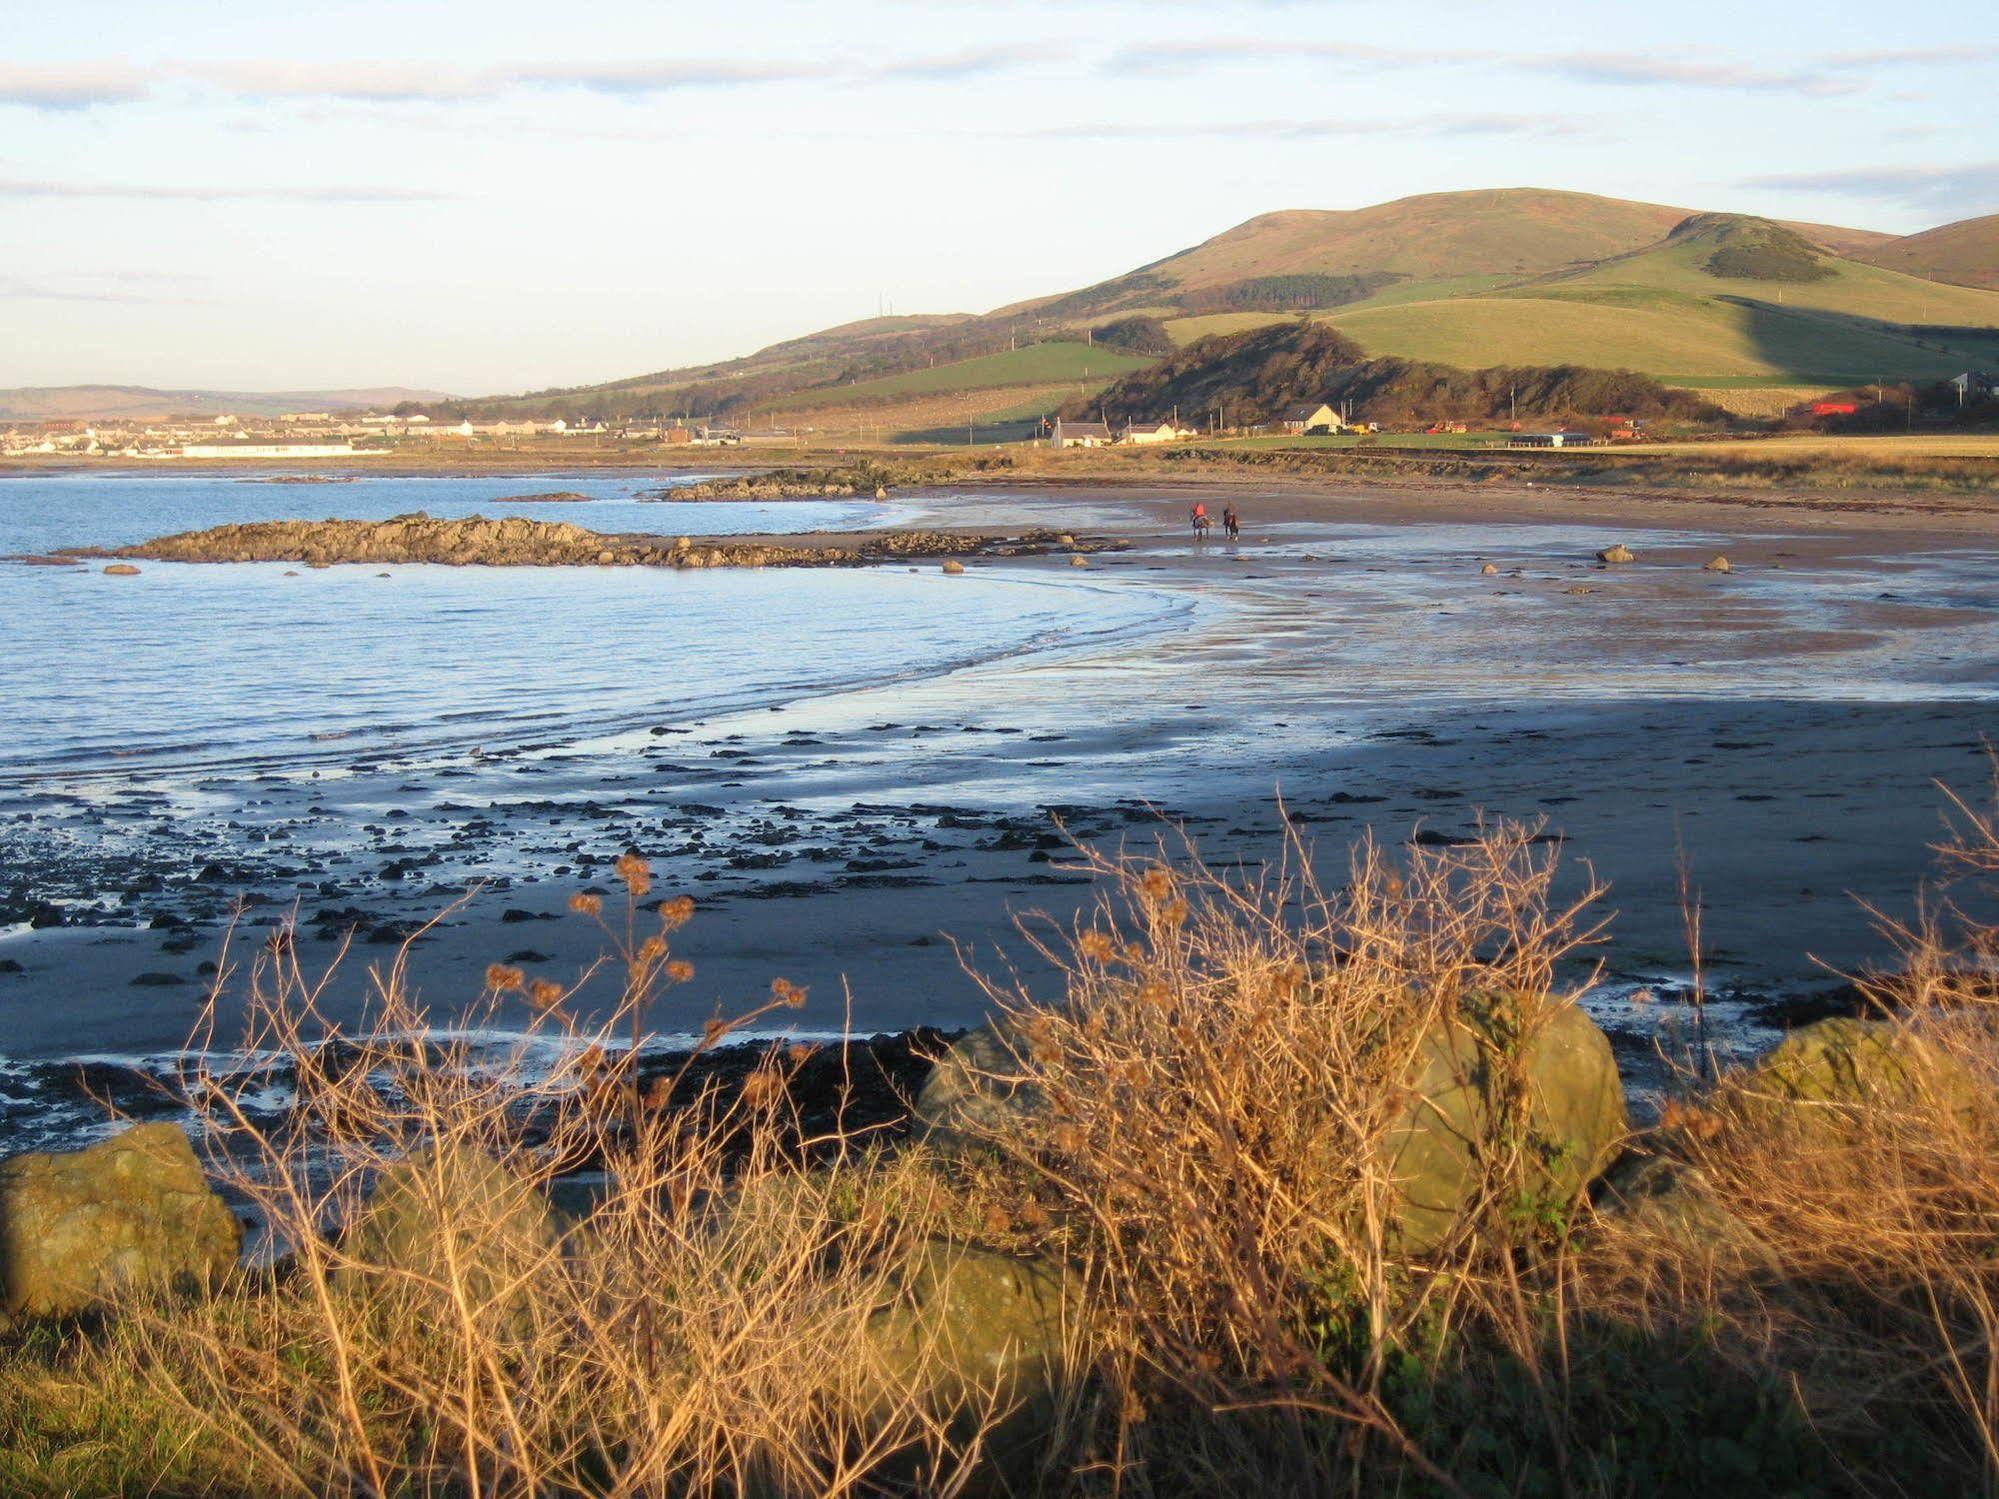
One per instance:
[(494, 197)]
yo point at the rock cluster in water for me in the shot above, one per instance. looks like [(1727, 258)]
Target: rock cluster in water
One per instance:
[(476, 541)]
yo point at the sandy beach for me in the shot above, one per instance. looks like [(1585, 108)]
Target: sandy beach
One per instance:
[(1782, 729)]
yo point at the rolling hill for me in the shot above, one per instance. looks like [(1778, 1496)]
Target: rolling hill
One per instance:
[(1966, 253), (1680, 310), (1521, 276), (140, 403)]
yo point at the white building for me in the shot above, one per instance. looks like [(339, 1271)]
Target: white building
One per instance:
[(1145, 433), (1079, 435)]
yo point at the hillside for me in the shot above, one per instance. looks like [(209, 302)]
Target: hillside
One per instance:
[(1695, 306), (1521, 276), (1965, 253), (1258, 375), (139, 403)]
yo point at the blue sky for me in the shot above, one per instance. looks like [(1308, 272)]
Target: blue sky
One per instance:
[(499, 196)]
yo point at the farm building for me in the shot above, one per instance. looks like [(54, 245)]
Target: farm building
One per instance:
[(1142, 433), (1079, 435), (1305, 421)]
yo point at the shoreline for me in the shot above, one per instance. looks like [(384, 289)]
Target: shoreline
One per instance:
[(843, 839)]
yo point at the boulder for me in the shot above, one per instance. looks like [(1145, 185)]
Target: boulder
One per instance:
[(131, 1213), (954, 568), (1617, 553), (1574, 1119), (1717, 564), (976, 1091), (1488, 571), (452, 1207), (121, 570), (1079, 561), (968, 1330), (1665, 1198), (1849, 1061)]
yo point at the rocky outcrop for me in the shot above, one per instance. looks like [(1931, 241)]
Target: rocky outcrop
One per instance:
[(788, 484), (515, 541), (559, 497), (132, 1213)]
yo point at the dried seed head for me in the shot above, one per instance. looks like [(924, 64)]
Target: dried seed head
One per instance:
[(635, 872), (676, 913), (504, 980), (545, 994), (679, 971), (1096, 947), (584, 904), (785, 992), (652, 949), (1157, 883)]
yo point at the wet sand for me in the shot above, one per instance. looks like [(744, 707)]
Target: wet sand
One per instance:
[(1785, 726)]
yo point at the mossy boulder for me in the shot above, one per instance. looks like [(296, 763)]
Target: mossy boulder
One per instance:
[(1538, 1114), (1851, 1061), (452, 1216), (132, 1213), (1564, 1127), (966, 1319)]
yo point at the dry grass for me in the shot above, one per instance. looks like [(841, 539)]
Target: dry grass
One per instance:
[(1222, 1087)]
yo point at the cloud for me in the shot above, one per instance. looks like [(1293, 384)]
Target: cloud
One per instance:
[(70, 87), (1644, 68), (134, 192), (1947, 55), (1539, 125), (395, 82), (1161, 58), (643, 76), (124, 287), (374, 82), (1958, 189), (975, 62)]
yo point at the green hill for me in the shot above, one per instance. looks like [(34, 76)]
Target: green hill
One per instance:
[(1037, 364), (1694, 305)]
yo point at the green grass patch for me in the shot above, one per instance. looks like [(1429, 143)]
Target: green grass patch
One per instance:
[(1037, 364)]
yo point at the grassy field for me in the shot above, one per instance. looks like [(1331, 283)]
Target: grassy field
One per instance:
[(1983, 445), (1037, 364)]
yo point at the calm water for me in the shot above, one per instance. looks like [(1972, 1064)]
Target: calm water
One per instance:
[(202, 666)]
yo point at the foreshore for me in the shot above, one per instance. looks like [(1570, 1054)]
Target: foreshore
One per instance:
[(1780, 733)]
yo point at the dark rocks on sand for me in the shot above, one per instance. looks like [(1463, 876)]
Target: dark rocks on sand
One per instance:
[(130, 1213)]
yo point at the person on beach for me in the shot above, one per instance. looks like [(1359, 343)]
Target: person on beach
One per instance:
[(1231, 523), (1199, 516)]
